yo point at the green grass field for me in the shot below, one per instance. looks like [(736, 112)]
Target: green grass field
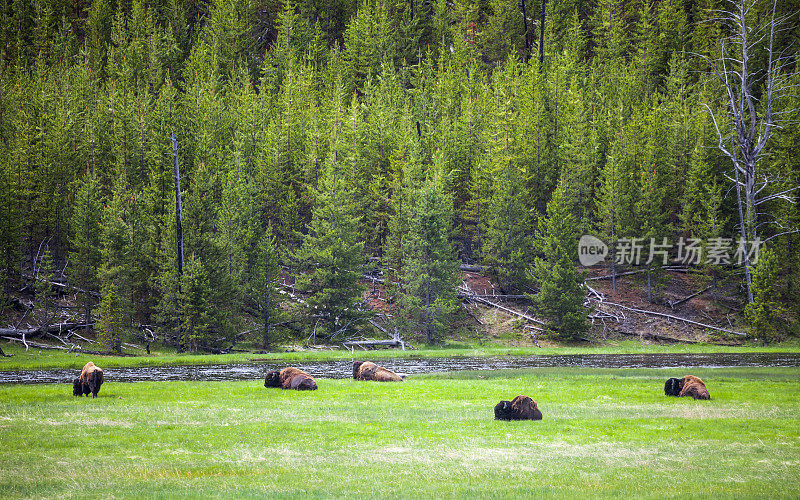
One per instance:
[(605, 433)]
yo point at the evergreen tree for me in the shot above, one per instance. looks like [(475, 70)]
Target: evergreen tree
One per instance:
[(764, 312), (85, 254), (507, 244), (430, 273), (539, 170), (13, 160), (701, 213), (710, 225), (212, 294), (265, 276), (167, 283), (116, 268), (577, 148), (331, 259), (505, 30), (650, 211), (44, 303), (561, 291), (407, 172), (198, 327), (112, 322), (612, 201), (366, 42)]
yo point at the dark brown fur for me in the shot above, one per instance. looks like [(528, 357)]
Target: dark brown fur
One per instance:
[(520, 408), (78, 388), (290, 378), (367, 370), (89, 382), (673, 386), (502, 411), (694, 387)]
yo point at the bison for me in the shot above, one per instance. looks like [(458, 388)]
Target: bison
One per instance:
[(90, 380), (367, 370), (520, 408), (290, 378)]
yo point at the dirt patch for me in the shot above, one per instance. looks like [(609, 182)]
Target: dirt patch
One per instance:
[(479, 284), (713, 307)]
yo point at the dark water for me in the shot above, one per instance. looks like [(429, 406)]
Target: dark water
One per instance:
[(411, 366)]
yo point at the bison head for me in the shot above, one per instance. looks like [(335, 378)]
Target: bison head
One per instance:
[(77, 387), (273, 379)]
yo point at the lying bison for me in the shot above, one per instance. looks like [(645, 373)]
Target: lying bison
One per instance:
[(520, 408), (686, 386), (290, 378), (89, 382), (367, 370)]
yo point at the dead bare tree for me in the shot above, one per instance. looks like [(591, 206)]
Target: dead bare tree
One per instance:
[(179, 235), (751, 106)]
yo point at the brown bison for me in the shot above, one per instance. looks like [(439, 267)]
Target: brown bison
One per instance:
[(290, 378), (694, 387), (89, 382), (520, 408), (367, 370)]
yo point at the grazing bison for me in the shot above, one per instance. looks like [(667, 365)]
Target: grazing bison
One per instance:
[(367, 370), (89, 382), (520, 408), (290, 378), (694, 387), (673, 386)]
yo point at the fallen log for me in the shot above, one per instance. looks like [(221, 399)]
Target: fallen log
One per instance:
[(500, 296), (536, 331), (476, 298), (670, 316), (20, 333), (480, 322), (82, 338), (59, 327), (675, 269), (472, 268), (379, 327), (374, 343), (59, 348), (675, 303), (64, 286)]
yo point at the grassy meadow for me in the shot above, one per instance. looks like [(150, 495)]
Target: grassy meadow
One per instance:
[(605, 433)]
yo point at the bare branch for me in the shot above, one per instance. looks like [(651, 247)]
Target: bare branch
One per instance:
[(781, 195)]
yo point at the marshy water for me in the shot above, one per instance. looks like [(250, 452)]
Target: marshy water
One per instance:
[(411, 366)]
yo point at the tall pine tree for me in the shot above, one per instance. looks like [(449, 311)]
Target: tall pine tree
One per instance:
[(561, 291), (430, 274), (332, 260)]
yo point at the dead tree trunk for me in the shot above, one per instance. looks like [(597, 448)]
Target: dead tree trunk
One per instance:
[(541, 35), (266, 342), (527, 37), (179, 234), (751, 118)]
